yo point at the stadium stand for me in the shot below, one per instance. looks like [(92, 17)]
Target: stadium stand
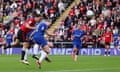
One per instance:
[(94, 16)]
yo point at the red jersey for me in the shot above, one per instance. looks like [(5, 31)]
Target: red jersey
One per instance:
[(82, 9), (71, 13), (108, 36), (31, 22), (100, 26)]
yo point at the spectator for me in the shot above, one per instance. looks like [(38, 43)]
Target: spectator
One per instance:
[(61, 6), (13, 5)]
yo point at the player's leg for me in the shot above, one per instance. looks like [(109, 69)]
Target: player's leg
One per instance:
[(105, 51), (11, 51), (116, 48), (36, 46), (7, 51), (74, 50), (50, 44), (44, 52), (35, 51), (76, 55), (24, 52), (77, 51), (3, 50), (42, 57), (108, 49)]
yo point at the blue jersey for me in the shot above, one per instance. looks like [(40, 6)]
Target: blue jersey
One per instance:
[(115, 36), (116, 42), (41, 28), (9, 38), (77, 38), (77, 35), (38, 36)]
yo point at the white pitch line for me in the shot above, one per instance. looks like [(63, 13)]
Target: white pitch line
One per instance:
[(85, 70)]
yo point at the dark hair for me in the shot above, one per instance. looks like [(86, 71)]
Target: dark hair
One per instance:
[(36, 14)]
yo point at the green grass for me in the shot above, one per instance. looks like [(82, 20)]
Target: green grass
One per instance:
[(62, 64)]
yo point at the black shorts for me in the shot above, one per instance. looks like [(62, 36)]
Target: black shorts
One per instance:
[(107, 43), (21, 36)]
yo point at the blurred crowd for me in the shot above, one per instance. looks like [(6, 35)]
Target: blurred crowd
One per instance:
[(13, 13), (95, 16)]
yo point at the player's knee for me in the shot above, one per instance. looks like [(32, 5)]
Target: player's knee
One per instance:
[(36, 46), (77, 53), (50, 44), (15, 43), (75, 49), (47, 49), (26, 45)]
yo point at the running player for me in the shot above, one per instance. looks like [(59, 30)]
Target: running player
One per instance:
[(108, 37), (38, 37), (25, 28), (77, 43)]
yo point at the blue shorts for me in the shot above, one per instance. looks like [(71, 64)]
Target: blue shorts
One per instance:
[(116, 43), (28, 35), (8, 42), (41, 41), (77, 45)]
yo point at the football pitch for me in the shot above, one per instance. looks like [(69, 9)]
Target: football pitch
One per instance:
[(62, 64)]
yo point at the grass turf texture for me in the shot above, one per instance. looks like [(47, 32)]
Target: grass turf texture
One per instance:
[(62, 64)]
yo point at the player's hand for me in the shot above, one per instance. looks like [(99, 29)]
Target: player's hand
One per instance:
[(55, 34)]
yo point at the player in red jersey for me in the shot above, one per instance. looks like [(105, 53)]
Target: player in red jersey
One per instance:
[(108, 37), (25, 28)]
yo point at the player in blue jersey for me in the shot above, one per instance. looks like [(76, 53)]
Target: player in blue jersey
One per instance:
[(9, 39), (38, 37), (77, 42), (36, 46), (116, 41)]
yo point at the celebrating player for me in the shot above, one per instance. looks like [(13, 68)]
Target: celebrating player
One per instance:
[(77, 43)]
